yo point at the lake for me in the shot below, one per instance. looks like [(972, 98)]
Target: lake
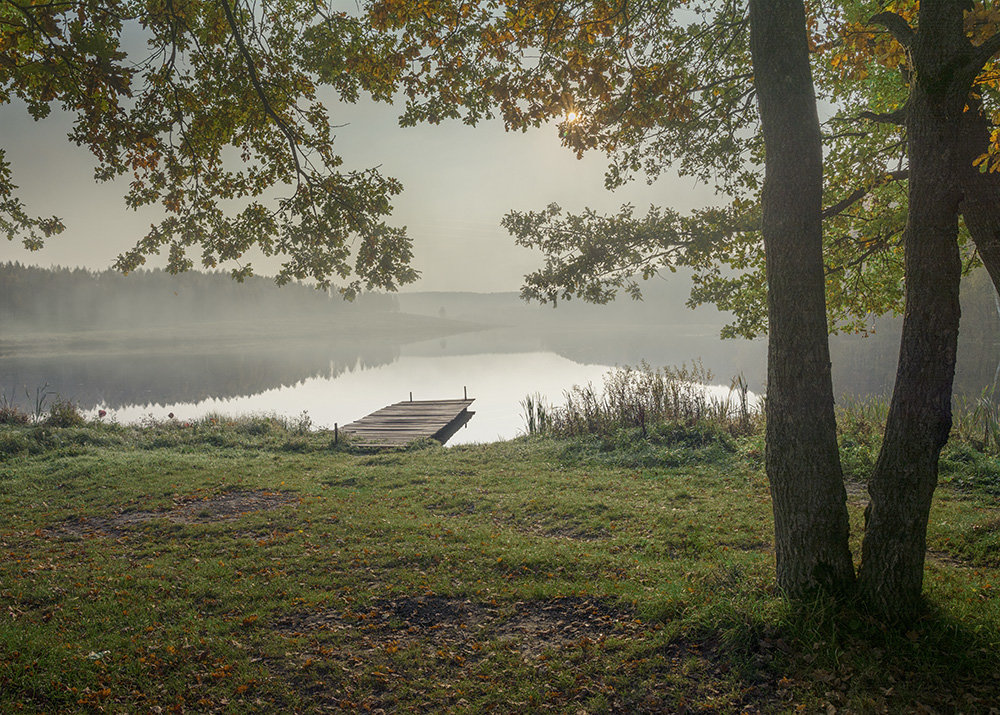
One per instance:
[(339, 381), (335, 379), (497, 382)]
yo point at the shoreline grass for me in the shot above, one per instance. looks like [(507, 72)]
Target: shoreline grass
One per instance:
[(251, 566)]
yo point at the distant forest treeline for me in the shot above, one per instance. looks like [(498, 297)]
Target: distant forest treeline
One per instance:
[(663, 304), (34, 299), (169, 376)]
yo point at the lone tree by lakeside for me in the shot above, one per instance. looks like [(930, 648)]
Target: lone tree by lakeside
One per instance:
[(712, 90)]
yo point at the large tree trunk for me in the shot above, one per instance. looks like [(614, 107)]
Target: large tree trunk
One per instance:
[(919, 421), (803, 464)]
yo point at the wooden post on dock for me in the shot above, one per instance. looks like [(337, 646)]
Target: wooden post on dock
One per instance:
[(411, 397), (465, 393)]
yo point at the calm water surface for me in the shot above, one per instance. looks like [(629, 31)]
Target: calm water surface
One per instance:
[(498, 382), (331, 379)]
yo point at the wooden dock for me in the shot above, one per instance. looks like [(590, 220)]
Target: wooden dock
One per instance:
[(403, 422)]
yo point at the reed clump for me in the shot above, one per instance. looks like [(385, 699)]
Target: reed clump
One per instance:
[(644, 398), (49, 410), (642, 410), (11, 414)]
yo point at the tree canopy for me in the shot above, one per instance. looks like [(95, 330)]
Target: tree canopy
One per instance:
[(668, 86), (213, 113)]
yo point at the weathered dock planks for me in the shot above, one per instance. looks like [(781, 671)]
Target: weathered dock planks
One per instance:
[(403, 422)]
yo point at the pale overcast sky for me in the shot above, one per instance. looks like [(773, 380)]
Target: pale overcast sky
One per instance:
[(458, 183)]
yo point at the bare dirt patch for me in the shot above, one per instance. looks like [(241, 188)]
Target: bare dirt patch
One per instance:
[(763, 547), (530, 626), (566, 621), (943, 558), (580, 534), (456, 638), (539, 527), (227, 506)]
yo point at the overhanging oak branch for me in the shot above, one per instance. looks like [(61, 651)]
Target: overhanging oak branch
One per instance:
[(897, 26)]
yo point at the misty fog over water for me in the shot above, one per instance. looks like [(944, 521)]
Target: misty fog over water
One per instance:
[(336, 383), (156, 346)]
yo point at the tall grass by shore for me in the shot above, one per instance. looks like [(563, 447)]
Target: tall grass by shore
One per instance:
[(647, 406), (644, 396), (975, 420), (639, 411)]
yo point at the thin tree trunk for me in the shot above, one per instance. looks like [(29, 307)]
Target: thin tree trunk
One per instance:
[(802, 460), (919, 421), (981, 192)]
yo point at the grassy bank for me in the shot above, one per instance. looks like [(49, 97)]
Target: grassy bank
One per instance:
[(253, 566)]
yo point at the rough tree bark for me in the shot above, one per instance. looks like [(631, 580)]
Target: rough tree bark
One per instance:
[(802, 461), (919, 421)]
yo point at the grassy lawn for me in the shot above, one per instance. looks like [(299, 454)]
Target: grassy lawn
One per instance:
[(245, 567)]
